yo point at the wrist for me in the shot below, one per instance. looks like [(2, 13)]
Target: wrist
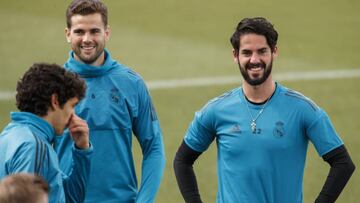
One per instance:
[(84, 145)]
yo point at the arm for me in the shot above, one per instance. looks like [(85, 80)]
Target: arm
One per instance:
[(185, 176), (198, 138), (26, 159), (329, 145), (340, 172), (75, 183), (147, 130)]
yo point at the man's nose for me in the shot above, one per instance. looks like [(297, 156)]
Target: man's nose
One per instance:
[(87, 37), (254, 58)]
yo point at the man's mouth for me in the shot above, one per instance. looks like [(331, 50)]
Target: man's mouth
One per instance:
[(255, 66), (87, 47)]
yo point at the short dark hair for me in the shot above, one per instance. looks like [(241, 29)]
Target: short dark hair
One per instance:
[(257, 25), (86, 7), (41, 81), (22, 188)]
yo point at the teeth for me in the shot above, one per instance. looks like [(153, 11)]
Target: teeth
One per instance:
[(256, 68), (87, 47)]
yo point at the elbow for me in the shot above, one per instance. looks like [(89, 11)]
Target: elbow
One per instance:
[(176, 163), (351, 167), (180, 164)]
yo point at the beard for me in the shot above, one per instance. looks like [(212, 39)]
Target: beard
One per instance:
[(88, 59), (259, 80)]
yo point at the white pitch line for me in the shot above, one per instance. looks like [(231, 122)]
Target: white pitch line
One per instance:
[(225, 80), (5, 95), (290, 76)]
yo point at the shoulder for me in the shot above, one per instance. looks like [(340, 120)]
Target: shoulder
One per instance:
[(16, 134), (222, 100), (292, 97), (19, 142), (125, 77), (126, 73)]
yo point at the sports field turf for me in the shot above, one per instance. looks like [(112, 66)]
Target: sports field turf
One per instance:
[(172, 39)]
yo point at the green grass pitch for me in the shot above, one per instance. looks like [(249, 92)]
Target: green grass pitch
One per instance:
[(170, 39)]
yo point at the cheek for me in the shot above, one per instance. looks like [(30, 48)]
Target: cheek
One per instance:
[(243, 63), (75, 40), (243, 60), (68, 114)]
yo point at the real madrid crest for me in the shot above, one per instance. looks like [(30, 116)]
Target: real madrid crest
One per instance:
[(279, 130)]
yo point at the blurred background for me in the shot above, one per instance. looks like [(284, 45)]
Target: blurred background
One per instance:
[(176, 40)]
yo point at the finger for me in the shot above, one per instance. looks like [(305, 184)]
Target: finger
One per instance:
[(79, 124), (79, 128), (76, 121)]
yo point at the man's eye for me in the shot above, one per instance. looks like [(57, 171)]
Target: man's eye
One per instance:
[(78, 32), (263, 51), (95, 31)]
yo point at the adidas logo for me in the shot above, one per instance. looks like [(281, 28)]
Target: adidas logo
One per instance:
[(236, 129)]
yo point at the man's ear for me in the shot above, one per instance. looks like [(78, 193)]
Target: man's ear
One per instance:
[(235, 56), (54, 102), (275, 52), (67, 34), (107, 33)]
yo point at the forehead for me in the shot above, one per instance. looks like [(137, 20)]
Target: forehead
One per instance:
[(87, 21), (253, 41)]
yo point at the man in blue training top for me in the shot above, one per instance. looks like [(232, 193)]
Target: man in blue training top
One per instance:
[(262, 130), (46, 97), (117, 104)]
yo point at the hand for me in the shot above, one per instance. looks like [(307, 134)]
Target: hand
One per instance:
[(79, 132)]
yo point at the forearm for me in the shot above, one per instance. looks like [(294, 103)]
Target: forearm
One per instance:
[(153, 165), (185, 175), (75, 183), (340, 172)]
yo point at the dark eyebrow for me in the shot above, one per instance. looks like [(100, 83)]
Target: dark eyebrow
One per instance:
[(245, 51), (95, 29), (263, 49), (78, 30)]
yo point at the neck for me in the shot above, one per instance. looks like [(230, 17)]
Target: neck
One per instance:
[(259, 93), (48, 118)]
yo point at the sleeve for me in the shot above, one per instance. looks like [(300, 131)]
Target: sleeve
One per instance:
[(340, 172), (185, 175), (322, 134), (201, 131), (75, 184), (25, 159), (147, 130)]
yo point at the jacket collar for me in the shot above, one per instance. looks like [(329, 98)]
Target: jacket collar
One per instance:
[(45, 131), (86, 70)]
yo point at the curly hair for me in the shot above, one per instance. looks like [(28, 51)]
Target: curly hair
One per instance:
[(86, 7), (257, 25), (41, 81)]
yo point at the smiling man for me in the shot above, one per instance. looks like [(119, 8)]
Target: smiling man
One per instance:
[(117, 106), (262, 130), (46, 97)]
